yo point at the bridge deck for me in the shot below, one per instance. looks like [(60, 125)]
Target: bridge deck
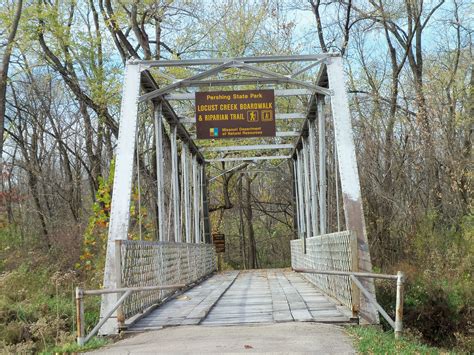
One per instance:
[(256, 296)]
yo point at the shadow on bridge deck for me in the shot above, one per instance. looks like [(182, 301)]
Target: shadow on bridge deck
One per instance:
[(246, 297)]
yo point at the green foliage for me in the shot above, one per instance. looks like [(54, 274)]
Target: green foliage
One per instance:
[(370, 340), (94, 343), (439, 292), (37, 308), (92, 260), (95, 235)]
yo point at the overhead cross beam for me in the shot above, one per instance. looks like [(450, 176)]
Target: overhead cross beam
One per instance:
[(215, 61), (271, 157), (279, 134), (242, 63), (235, 148), (278, 116), (278, 93)]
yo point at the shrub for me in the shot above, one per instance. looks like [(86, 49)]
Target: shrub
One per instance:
[(439, 312)]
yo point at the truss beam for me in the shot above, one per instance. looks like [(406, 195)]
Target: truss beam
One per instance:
[(271, 157), (278, 93), (235, 148), (278, 116), (250, 60)]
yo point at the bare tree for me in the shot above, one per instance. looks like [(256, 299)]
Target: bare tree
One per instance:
[(4, 66)]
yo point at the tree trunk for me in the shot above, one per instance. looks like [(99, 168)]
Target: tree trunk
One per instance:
[(4, 70)]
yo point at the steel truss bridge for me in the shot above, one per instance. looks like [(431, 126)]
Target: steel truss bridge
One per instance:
[(334, 279)]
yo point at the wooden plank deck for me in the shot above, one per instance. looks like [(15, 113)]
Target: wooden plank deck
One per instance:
[(255, 296)]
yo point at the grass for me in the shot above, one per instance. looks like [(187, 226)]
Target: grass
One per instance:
[(371, 340), (37, 310), (94, 343)]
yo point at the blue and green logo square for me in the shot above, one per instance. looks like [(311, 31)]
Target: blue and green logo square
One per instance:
[(214, 132)]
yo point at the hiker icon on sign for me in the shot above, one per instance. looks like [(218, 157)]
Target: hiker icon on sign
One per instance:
[(252, 116), (267, 115)]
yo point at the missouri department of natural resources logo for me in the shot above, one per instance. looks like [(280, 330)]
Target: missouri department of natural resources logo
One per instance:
[(214, 132)]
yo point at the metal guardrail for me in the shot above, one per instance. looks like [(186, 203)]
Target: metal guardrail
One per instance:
[(127, 291), (140, 266), (334, 251), (149, 263), (396, 324)]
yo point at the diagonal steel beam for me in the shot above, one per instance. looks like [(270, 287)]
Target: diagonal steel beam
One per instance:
[(288, 79), (183, 82), (306, 68), (212, 61)]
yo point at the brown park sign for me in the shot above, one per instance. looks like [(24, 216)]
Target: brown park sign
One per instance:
[(218, 239), (235, 114)]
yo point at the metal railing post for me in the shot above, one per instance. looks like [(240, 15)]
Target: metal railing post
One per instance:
[(80, 316), (399, 305)]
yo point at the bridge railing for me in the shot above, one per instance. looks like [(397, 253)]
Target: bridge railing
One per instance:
[(147, 273), (331, 262), (334, 252), (147, 263)]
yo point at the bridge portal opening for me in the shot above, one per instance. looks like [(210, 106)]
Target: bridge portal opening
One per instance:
[(262, 136)]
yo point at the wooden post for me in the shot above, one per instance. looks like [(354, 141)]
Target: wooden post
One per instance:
[(220, 261), (399, 305), (80, 316)]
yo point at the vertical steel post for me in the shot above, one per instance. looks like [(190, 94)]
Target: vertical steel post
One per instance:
[(175, 184), (313, 177), (186, 203), (297, 202), (160, 173), (399, 305), (349, 177), (322, 166), (300, 194), (80, 316), (336, 175), (196, 209), (205, 207), (307, 188), (122, 188)]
